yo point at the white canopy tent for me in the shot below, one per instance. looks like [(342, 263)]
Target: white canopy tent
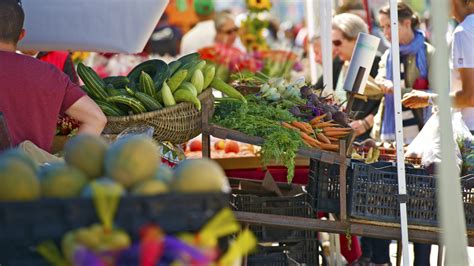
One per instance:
[(121, 26)]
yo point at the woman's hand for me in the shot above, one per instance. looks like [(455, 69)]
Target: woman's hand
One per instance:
[(386, 85), (359, 127), (416, 99)]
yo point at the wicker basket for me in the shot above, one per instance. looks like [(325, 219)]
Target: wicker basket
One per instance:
[(176, 124)]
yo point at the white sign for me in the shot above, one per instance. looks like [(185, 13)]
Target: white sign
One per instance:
[(361, 63)]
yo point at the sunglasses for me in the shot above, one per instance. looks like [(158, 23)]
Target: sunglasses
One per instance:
[(230, 31), (337, 42)]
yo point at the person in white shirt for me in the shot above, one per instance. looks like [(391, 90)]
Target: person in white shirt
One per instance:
[(462, 66), (218, 28)]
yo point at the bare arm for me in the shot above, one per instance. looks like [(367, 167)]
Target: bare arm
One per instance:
[(91, 118), (465, 97), (460, 99)]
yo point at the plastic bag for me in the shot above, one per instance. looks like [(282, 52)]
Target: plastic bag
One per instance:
[(139, 130), (427, 144)]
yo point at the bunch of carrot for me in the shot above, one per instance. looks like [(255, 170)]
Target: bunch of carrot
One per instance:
[(319, 134)]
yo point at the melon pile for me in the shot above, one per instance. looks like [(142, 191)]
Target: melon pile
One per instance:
[(129, 165)]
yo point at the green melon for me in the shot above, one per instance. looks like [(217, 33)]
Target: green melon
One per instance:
[(150, 187), (86, 153), (132, 159), (18, 180), (164, 174), (104, 182), (60, 180), (17, 153), (199, 175)]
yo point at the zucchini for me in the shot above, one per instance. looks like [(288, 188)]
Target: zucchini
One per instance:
[(189, 58), (157, 69), (136, 106), (146, 84), (177, 79), (183, 95), (92, 81), (209, 74), (117, 81), (167, 95), (189, 87), (228, 90), (198, 65), (110, 109), (198, 80), (174, 66), (149, 102)]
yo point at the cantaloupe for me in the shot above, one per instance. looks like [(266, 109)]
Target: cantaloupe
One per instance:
[(18, 180), (132, 159), (60, 180), (199, 175), (86, 153)]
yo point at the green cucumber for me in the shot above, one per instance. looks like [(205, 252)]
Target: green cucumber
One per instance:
[(167, 95), (209, 74), (183, 95), (189, 58), (199, 65), (177, 79), (117, 81), (228, 90), (188, 86), (110, 109), (157, 69), (149, 102), (146, 84), (92, 81), (136, 106), (174, 66)]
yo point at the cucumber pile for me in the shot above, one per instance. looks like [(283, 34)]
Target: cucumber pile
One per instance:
[(153, 85)]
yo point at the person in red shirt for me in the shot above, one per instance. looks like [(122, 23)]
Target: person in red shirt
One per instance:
[(34, 93)]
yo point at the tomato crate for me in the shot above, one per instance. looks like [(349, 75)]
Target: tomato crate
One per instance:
[(23, 225), (296, 206)]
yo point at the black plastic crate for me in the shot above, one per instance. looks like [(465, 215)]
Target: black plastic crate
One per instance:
[(297, 206), (376, 197), (23, 225), (323, 183), (285, 254)]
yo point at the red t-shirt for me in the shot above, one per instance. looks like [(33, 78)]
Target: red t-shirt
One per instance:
[(32, 95)]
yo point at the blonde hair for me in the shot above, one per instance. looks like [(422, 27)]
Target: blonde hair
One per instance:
[(350, 25), (221, 18)]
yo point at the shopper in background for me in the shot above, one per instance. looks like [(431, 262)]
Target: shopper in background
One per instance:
[(461, 64), (345, 30), (33, 93), (212, 28), (415, 58)]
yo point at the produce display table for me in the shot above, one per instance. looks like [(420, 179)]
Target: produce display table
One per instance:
[(356, 227)]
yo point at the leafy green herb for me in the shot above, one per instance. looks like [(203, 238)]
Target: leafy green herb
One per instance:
[(281, 144)]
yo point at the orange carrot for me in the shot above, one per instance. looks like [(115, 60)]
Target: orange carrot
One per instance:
[(301, 127), (311, 140), (337, 129), (323, 138), (332, 138), (286, 125), (329, 147), (313, 145), (336, 134), (324, 124), (317, 119)]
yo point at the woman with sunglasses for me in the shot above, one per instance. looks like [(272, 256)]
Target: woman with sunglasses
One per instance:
[(345, 29)]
